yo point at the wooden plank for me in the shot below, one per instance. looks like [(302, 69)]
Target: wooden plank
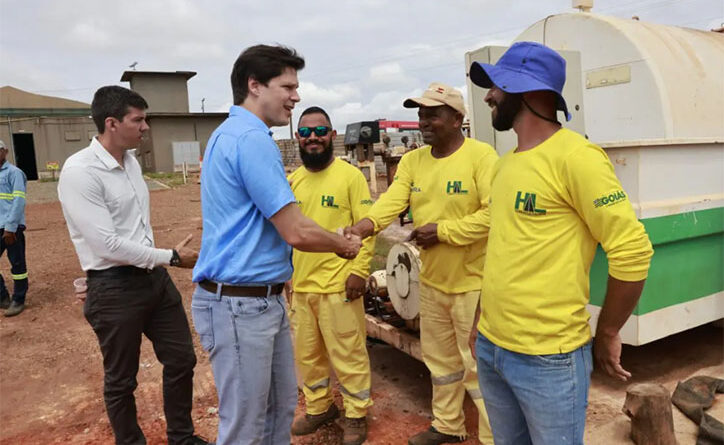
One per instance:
[(396, 337)]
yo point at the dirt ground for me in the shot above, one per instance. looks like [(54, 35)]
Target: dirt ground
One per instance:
[(51, 372)]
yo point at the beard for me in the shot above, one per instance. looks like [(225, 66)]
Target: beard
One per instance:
[(316, 161), (507, 110)]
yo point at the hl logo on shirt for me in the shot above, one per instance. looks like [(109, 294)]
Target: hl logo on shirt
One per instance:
[(528, 202), (367, 202), (455, 188), (328, 201), (611, 199)]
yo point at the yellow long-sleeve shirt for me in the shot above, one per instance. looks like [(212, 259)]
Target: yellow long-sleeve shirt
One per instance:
[(454, 189), (334, 198), (549, 208)]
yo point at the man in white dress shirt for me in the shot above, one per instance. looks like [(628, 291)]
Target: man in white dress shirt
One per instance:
[(106, 205)]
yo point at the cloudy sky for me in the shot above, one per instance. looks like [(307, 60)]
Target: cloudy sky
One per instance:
[(363, 58)]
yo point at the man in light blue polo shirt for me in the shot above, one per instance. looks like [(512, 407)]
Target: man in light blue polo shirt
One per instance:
[(250, 219)]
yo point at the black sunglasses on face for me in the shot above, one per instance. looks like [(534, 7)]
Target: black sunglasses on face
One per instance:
[(320, 131)]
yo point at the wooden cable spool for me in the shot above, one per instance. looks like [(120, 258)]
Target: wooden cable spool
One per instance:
[(403, 279), (377, 283)]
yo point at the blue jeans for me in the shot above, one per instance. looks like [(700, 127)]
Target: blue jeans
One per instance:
[(250, 348), (534, 399)]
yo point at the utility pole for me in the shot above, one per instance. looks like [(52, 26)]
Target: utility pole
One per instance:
[(12, 142)]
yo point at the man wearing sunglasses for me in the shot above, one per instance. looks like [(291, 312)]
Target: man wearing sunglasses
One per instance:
[(446, 185), (250, 220), (327, 312)]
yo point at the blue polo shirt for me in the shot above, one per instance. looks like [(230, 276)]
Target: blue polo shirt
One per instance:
[(243, 185)]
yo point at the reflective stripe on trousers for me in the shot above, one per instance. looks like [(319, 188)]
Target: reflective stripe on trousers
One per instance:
[(445, 323), (18, 266), (323, 384)]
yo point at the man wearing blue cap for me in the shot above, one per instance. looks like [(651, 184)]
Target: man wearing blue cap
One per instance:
[(549, 207)]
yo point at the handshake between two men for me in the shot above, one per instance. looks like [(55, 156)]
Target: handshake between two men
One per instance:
[(424, 236)]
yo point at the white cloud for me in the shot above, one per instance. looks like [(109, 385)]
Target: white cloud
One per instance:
[(312, 94), (388, 75), (193, 51), (383, 105), (89, 35), (224, 108), (386, 70), (463, 89), (17, 72), (362, 61)]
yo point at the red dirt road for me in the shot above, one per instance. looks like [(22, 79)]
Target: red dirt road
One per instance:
[(51, 372)]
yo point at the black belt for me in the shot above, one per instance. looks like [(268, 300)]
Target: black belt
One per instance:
[(119, 271), (243, 291)]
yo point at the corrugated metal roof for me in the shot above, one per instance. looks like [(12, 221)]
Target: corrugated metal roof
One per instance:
[(11, 97)]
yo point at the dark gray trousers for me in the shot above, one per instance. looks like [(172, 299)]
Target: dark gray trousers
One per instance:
[(122, 304)]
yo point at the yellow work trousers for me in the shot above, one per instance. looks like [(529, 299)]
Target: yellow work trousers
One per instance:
[(445, 323), (329, 331)]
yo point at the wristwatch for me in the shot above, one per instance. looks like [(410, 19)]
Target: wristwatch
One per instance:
[(175, 259)]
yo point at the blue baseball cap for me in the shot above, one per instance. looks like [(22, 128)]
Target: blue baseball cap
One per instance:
[(525, 66)]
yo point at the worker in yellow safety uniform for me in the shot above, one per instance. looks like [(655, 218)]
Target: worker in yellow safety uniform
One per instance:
[(446, 184), (327, 312), (554, 199)]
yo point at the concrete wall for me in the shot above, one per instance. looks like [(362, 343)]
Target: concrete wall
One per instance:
[(156, 153), (164, 93), (55, 138)]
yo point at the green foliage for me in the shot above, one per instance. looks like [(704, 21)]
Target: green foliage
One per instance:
[(170, 179)]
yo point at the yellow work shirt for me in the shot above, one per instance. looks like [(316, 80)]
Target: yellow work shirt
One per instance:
[(452, 192), (334, 198), (549, 208)]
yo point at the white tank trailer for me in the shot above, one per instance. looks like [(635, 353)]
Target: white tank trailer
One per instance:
[(653, 97)]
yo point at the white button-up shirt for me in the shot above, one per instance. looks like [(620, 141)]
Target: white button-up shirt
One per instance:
[(106, 206)]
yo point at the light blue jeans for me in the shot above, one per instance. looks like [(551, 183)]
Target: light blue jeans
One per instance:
[(250, 348), (534, 399)]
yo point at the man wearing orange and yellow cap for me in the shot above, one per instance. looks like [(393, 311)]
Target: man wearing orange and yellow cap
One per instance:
[(446, 184)]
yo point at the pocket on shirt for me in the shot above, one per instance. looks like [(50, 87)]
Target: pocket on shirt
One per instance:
[(203, 323)]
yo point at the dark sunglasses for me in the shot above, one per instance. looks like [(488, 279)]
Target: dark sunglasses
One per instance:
[(320, 131)]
